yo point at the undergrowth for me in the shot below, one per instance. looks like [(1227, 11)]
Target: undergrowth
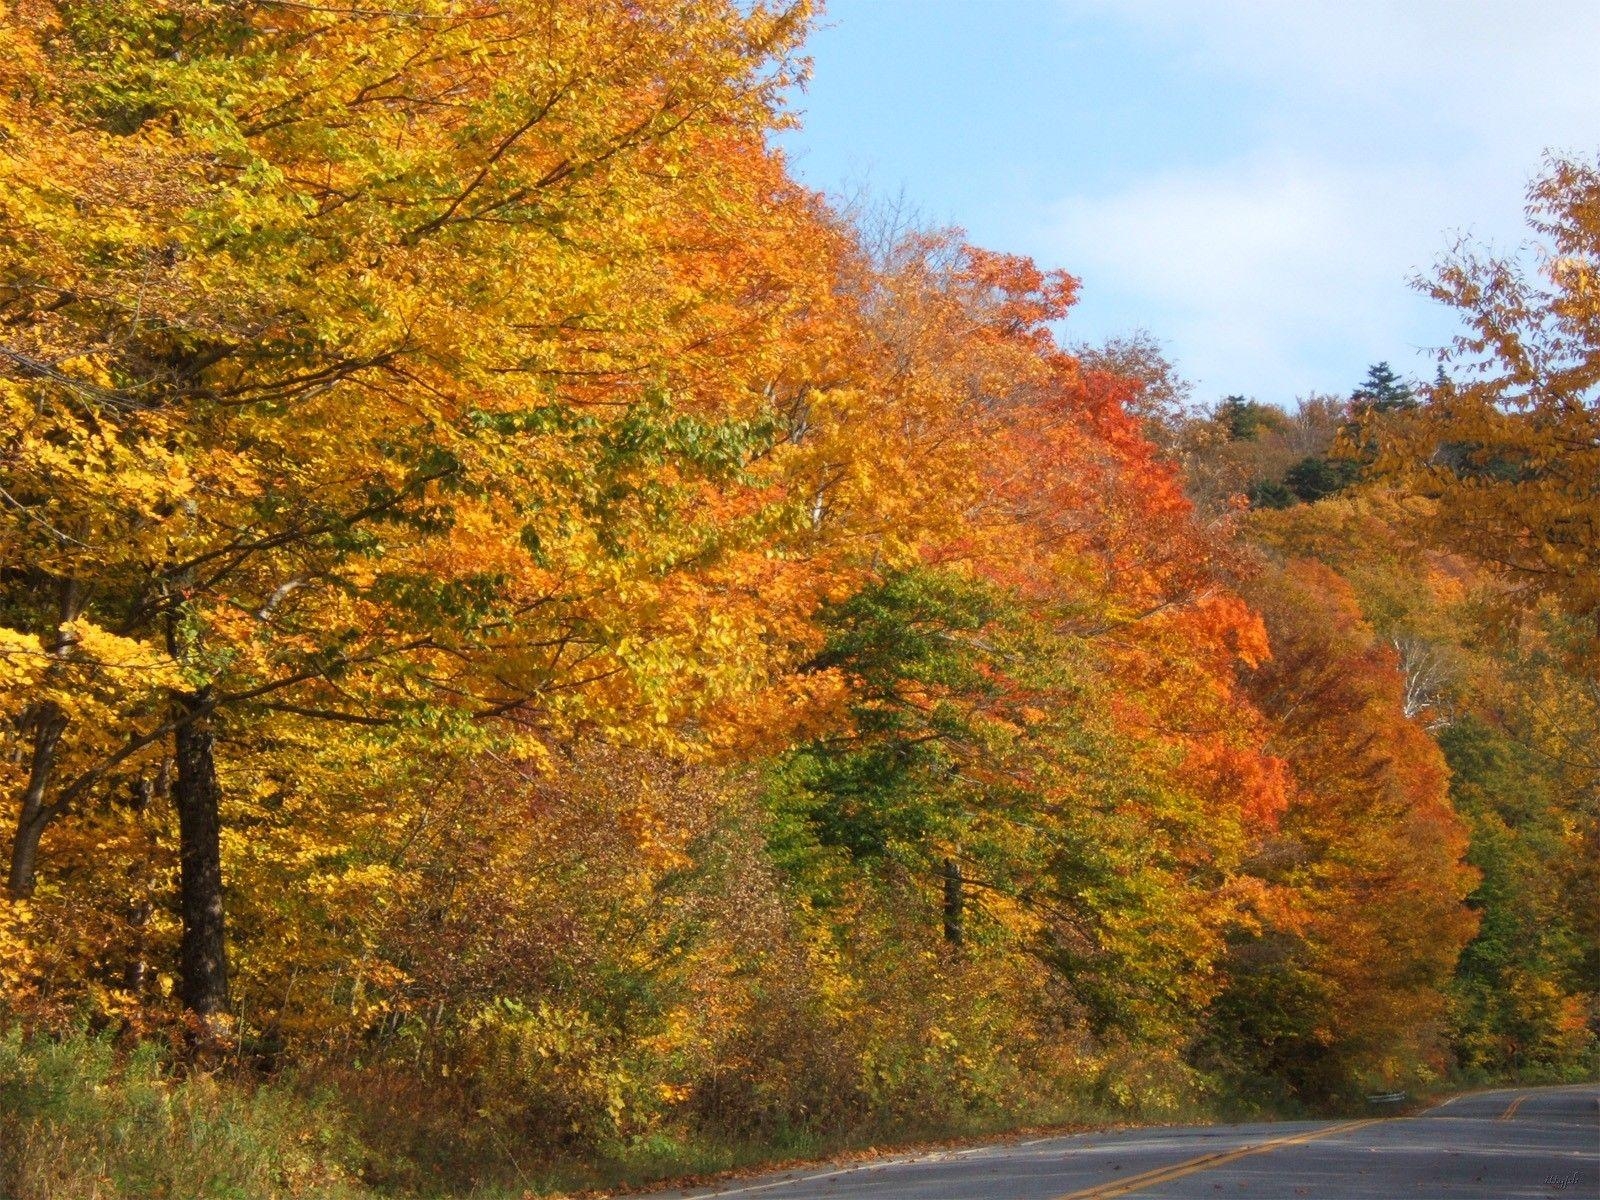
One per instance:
[(82, 1118)]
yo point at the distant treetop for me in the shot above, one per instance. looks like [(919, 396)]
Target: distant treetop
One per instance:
[(1245, 419), (1383, 391)]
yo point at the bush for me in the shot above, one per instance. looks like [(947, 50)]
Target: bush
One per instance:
[(548, 1074), (83, 1120)]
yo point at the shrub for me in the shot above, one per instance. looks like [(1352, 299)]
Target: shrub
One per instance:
[(82, 1120)]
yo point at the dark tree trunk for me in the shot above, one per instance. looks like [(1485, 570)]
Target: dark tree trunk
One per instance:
[(954, 902), (195, 792), (136, 971), (48, 725)]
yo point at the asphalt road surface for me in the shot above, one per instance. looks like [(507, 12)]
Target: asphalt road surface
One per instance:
[(1522, 1142)]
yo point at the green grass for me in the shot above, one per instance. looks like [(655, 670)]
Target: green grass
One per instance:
[(82, 1119), (82, 1122)]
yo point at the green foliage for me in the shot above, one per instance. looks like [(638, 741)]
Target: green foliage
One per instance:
[(1245, 420), (82, 1120), (1262, 1033), (1316, 476), (916, 648), (1270, 493), (1382, 391), (1521, 1008)]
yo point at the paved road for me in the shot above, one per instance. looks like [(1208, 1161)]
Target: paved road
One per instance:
[(1503, 1145)]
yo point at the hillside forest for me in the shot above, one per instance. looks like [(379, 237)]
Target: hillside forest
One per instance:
[(530, 640)]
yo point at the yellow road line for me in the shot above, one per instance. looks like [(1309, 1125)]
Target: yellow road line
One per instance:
[(1134, 1183), (1512, 1110)]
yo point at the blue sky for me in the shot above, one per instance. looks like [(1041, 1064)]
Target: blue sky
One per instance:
[(1254, 183)]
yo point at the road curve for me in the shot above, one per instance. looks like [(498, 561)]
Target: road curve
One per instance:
[(1500, 1145)]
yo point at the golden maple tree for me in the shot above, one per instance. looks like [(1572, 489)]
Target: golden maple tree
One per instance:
[(1508, 446)]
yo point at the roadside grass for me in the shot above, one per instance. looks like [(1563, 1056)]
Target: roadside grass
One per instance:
[(81, 1121), (422, 1146), (84, 1119)]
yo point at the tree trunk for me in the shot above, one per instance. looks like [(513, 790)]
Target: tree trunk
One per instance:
[(136, 971), (954, 902), (48, 725), (204, 955)]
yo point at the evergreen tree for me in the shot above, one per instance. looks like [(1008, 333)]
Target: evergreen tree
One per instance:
[(1315, 476), (1270, 493), (1244, 419), (1383, 391)]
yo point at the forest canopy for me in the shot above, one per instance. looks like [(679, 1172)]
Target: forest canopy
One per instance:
[(510, 598)]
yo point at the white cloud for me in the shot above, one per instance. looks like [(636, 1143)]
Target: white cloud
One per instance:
[(1383, 129), (1493, 68), (1249, 270)]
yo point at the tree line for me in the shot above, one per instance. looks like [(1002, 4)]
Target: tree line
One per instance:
[(505, 588)]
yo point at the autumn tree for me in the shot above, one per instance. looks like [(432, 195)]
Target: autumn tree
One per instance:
[(1524, 987), (335, 399), (1160, 397), (1341, 983), (1514, 722), (1508, 445), (1244, 420), (659, 653), (1026, 703)]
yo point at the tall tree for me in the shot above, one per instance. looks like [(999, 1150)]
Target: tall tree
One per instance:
[(1344, 983), (333, 399), (1508, 447), (1382, 391)]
